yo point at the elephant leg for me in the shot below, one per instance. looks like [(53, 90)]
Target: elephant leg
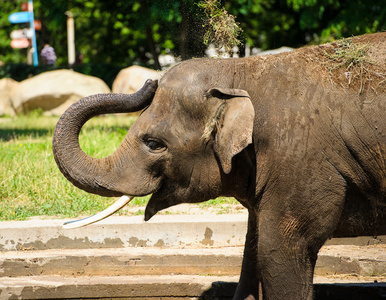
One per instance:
[(295, 218), (287, 251), (248, 287), (287, 274)]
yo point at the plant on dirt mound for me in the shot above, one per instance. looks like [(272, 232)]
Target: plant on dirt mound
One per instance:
[(357, 64), (221, 27), (349, 54)]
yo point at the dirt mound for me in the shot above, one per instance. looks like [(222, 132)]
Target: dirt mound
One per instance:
[(358, 63)]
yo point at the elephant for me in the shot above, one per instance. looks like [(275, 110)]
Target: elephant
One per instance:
[(298, 138)]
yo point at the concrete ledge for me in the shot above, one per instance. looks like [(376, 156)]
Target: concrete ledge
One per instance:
[(123, 232), (120, 287), (167, 287), (121, 262), (39, 259), (350, 259), (332, 260)]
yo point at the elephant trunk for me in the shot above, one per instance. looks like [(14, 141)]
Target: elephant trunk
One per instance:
[(83, 171)]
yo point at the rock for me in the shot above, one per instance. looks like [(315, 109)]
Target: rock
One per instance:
[(6, 87), (55, 91), (131, 79), (276, 51)]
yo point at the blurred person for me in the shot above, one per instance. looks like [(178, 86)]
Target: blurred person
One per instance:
[(48, 54)]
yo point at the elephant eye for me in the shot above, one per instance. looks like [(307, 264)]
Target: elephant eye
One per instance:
[(155, 145)]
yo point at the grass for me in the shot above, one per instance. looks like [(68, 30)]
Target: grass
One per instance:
[(221, 27), (30, 182), (350, 55)]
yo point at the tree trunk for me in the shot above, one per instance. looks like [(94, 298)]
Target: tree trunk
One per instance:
[(152, 46), (191, 36), (184, 32)]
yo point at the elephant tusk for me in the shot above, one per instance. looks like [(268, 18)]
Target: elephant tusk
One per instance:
[(121, 202)]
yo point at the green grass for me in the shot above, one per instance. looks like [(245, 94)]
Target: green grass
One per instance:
[(30, 182)]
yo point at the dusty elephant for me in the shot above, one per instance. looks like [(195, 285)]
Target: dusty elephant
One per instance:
[(298, 138)]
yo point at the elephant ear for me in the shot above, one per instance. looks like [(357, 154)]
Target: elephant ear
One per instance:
[(234, 133)]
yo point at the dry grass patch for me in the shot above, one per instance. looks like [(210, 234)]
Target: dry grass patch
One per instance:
[(349, 63), (221, 27)]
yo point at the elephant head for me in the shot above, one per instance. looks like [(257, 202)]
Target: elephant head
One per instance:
[(182, 148)]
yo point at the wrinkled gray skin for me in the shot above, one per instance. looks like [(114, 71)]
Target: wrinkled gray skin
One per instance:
[(307, 159)]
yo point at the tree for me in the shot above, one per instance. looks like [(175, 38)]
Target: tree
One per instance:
[(270, 24)]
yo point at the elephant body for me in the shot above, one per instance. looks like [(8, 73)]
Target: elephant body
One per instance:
[(298, 138)]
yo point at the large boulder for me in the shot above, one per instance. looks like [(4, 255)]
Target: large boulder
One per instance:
[(131, 79), (55, 91), (7, 85)]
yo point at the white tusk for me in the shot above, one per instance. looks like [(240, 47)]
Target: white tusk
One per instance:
[(121, 202)]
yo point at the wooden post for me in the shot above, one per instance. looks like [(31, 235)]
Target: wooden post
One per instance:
[(70, 38)]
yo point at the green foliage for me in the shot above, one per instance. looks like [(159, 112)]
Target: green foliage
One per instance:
[(7, 54), (21, 71), (355, 18), (122, 33), (273, 23), (106, 32)]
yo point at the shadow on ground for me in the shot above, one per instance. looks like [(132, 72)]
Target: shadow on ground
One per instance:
[(7, 134), (347, 291)]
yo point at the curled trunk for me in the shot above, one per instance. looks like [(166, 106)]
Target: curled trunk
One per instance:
[(83, 171)]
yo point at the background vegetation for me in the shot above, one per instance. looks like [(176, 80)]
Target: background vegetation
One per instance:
[(30, 183), (123, 32)]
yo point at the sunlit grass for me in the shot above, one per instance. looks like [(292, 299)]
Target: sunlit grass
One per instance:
[(31, 183)]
